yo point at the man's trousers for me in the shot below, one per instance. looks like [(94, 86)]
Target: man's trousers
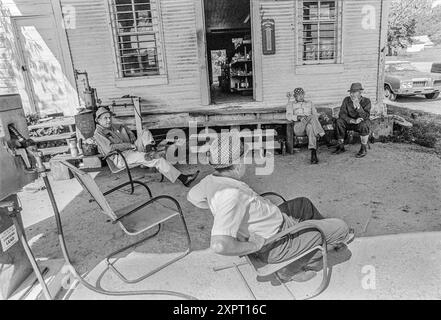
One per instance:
[(297, 211), (342, 126), (311, 127), (139, 157)]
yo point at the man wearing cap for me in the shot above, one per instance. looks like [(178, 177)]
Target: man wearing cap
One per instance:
[(243, 220), (111, 137), (354, 115), (306, 120)]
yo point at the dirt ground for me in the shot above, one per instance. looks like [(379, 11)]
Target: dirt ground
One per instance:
[(395, 189)]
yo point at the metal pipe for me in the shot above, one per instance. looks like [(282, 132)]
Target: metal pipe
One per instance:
[(30, 255)]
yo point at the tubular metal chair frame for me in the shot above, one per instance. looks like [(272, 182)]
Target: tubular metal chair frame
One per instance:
[(105, 207), (276, 267), (114, 169)]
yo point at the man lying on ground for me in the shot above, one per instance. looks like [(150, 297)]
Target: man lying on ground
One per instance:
[(111, 137), (243, 220)]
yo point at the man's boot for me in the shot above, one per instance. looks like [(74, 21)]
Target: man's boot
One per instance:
[(187, 179), (314, 159), (363, 151), (329, 139), (340, 148)]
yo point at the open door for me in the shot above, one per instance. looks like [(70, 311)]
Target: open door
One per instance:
[(47, 85), (229, 50)]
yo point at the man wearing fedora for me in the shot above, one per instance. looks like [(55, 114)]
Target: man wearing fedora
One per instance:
[(243, 220), (110, 137), (354, 115)]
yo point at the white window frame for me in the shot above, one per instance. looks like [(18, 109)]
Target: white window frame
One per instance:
[(339, 35), (139, 80)]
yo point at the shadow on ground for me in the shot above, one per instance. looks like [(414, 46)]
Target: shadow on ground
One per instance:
[(395, 189)]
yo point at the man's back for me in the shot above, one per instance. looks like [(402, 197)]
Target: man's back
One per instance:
[(237, 209)]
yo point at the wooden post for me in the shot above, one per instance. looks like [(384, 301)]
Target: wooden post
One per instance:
[(290, 138), (138, 115), (257, 50), (384, 15), (202, 52)]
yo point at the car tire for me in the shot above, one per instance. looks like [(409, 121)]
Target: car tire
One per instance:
[(389, 94), (432, 96)]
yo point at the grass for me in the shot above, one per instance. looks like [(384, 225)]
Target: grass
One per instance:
[(426, 129)]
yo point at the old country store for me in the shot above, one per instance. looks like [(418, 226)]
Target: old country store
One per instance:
[(216, 61)]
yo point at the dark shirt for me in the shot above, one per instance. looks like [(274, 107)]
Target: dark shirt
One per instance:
[(348, 112)]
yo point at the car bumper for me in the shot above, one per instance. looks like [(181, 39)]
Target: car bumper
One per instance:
[(413, 91)]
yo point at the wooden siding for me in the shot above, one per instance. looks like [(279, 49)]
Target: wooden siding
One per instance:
[(11, 79), (281, 73), (91, 46), (8, 66), (92, 50), (50, 73)]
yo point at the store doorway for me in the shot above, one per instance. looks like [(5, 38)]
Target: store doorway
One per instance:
[(229, 50)]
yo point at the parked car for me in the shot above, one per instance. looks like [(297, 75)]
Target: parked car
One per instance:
[(403, 79), (436, 67)]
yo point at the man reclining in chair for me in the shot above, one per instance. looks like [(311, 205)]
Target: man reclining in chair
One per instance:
[(243, 220), (110, 137)]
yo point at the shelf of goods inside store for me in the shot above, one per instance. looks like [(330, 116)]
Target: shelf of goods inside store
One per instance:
[(241, 73)]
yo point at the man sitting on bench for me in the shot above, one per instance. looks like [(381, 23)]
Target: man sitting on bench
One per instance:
[(111, 137), (306, 120), (243, 220), (354, 115)]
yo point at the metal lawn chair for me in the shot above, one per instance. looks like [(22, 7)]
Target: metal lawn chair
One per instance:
[(114, 169), (152, 212), (264, 269)]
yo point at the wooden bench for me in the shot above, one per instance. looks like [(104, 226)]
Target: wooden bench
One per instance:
[(136, 115), (66, 121), (62, 122)]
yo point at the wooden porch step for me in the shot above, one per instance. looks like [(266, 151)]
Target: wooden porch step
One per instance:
[(214, 123)]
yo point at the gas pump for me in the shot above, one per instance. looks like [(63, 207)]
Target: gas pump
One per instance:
[(19, 165)]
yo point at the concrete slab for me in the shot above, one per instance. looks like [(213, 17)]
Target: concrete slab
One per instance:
[(404, 266)]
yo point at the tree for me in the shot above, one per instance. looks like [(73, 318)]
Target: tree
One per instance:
[(403, 21), (431, 25)]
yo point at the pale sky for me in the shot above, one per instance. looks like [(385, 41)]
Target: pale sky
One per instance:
[(436, 3)]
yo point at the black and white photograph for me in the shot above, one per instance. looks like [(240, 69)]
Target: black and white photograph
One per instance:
[(220, 150)]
